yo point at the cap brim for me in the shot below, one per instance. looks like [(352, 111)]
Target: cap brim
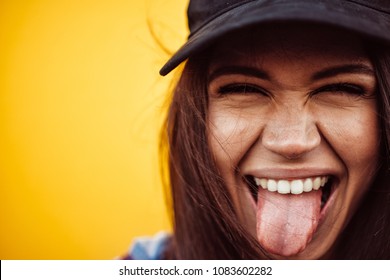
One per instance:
[(345, 14)]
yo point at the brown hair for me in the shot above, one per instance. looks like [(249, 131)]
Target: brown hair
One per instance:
[(368, 234), (205, 222)]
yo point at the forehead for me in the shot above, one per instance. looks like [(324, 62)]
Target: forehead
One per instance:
[(302, 43)]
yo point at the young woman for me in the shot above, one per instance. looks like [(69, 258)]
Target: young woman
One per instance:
[(278, 132)]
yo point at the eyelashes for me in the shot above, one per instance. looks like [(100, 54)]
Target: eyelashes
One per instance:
[(342, 88), (244, 88), (241, 89)]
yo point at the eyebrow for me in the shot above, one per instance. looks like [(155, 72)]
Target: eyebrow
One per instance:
[(343, 69), (325, 73), (242, 70)]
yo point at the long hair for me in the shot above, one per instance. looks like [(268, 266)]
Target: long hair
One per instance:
[(205, 223), (368, 234)]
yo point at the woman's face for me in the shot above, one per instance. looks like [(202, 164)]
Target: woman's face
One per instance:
[(294, 131)]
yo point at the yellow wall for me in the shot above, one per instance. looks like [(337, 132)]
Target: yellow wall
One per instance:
[(80, 110)]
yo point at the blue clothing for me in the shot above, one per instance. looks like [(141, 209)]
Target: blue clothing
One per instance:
[(149, 248)]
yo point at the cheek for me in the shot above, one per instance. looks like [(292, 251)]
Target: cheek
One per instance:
[(231, 134), (355, 138)]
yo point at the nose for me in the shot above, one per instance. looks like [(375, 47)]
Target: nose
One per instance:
[(291, 134)]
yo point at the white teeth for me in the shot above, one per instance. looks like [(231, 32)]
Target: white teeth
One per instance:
[(263, 183), (317, 183), (308, 185), (283, 187), (272, 186), (294, 186)]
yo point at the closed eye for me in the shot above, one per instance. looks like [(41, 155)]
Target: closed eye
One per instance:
[(342, 88), (240, 89)]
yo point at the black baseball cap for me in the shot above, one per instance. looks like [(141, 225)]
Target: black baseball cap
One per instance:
[(209, 20)]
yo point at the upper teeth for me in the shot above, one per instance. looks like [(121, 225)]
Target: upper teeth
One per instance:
[(293, 186)]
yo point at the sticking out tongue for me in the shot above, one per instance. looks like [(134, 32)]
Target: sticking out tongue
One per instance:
[(287, 222)]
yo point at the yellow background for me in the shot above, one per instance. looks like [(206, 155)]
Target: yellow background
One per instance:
[(81, 104)]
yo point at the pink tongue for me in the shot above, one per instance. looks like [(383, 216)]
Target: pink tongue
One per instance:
[(287, 222)]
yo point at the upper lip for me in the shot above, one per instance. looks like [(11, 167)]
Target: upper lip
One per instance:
[(291, 173)]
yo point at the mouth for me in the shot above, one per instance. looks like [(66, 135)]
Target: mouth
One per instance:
[(289, 211), (295, 187)]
